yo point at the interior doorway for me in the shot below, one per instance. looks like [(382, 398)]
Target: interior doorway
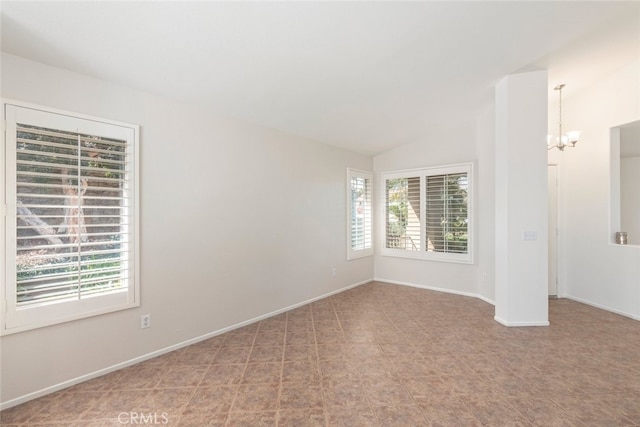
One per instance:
[(552, 184)]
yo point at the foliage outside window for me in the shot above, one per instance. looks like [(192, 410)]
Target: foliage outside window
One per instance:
[(428, 213), (360, 221), (71, 226)]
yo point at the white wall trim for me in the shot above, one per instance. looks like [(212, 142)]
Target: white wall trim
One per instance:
[(519, 324), (603, 307), (437, 289), (65, 384), (485, 299)]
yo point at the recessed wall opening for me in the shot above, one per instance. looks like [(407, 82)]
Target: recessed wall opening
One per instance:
[(625, 180)]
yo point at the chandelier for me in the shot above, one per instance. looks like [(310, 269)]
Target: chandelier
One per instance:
[(562, 141)]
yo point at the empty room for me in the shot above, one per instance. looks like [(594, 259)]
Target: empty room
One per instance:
[(320, 213)]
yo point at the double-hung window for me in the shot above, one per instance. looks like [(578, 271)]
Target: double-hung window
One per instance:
[(359, 207), (70, 190), (428, 213)]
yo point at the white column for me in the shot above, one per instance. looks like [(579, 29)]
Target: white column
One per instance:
[(521, 293)]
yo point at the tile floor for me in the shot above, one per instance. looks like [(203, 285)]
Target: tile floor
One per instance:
[(376, 355)]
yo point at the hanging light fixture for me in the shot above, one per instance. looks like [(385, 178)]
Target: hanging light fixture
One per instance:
[(570, 139)]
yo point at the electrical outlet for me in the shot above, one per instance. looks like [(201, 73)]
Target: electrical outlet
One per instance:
[(145, 321), (333, 272)]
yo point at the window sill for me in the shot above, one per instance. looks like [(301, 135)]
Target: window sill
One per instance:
[(624, 246), (429, 256)]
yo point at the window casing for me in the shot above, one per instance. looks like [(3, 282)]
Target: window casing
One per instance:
[(70, 190), (428, 213), (360, 211)]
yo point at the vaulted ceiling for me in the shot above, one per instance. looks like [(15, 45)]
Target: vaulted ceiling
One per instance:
[(366, 76)]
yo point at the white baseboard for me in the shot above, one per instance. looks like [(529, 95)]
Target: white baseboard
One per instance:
[(602, 307), (434, 288), (485, 299), (519, 324), (65, 384)]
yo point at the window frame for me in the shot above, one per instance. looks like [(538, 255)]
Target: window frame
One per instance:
[(18, 319), (367, 251), (423, 173)]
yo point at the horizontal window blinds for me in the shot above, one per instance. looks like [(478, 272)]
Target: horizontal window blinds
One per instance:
[(72, 210), (403, 213), (361, 220), (428, 213), (446, 213)]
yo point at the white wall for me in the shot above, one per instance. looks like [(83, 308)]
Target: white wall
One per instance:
[(521, 212), (485, 202), (238, 221), (468, 142), (591, 268)]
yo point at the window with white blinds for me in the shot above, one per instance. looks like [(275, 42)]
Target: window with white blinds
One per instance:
[(71, 221), (428, 213), (360, 219), (403, 213), (446, 213)]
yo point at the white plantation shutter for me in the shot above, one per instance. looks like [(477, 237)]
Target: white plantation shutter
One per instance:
[(446, 212), (71, 227), (403, 213), (360, 220), (428, 213)]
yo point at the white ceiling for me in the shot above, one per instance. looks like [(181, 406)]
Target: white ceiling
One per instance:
[(367, 76)]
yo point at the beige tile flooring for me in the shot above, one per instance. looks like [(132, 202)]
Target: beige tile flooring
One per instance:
[(376, 355)]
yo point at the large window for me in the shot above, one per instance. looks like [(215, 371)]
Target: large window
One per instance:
[(359, 204), (70, 240), (428, 213)]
